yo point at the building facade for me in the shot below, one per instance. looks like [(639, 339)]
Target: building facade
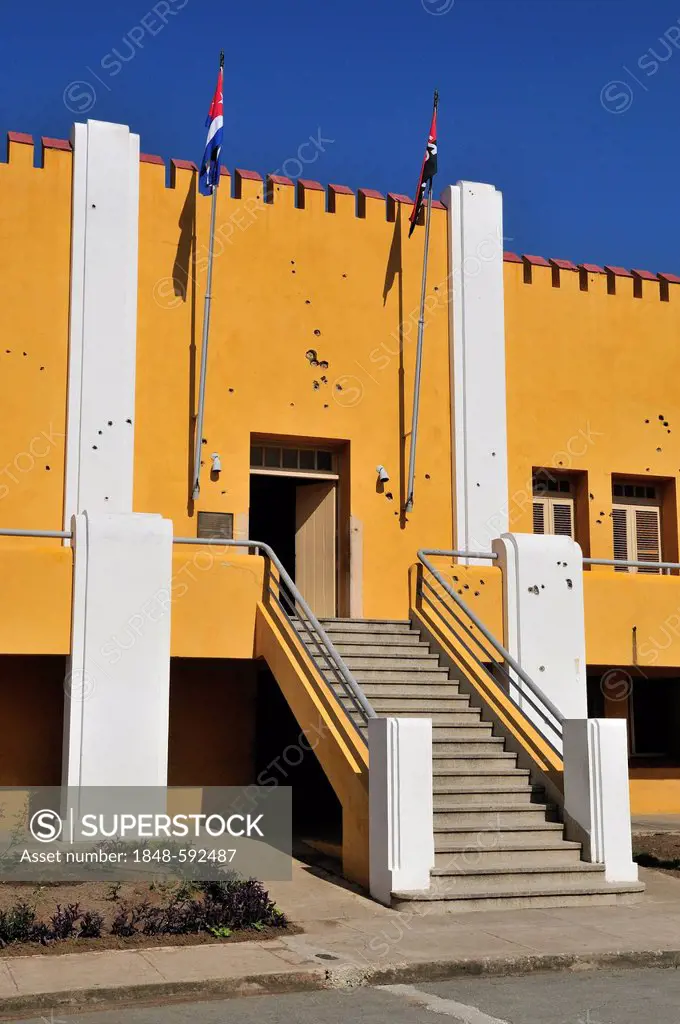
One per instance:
[(549, 405)]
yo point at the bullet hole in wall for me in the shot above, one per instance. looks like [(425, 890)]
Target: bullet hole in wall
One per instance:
[(323, 363), (326, 406), (128, 421), (665, 423), (338, 387), (110, 423), (94, 447), (592, 497), (389, 495), (570, 584), (231, 391), (292, 263), (476, 593), (661, 416), (308, 302), (310, 355), (658, 449), (646, 421), (427, 476), (100, 431), (25, 353), (317, 332), (316, 385), (344, 275), (292, 405), (47, 468)]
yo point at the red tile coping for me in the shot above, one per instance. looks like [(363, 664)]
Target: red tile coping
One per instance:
[(371, 193), (55, 143), (224, 171), (20, 137), (591, 268), (184, 165), (646, 275), (617, 271), (313, 186), (278, 179), (535, 261), (397, 198), (670, 278), (436, 205), (249, 175), (563, 264), (511, 257), (341, 190), (149, 158)]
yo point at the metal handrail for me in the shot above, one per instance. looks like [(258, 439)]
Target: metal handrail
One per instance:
[(625, 561), (61, 534), (321, 640), (491, 555), (533, 693)]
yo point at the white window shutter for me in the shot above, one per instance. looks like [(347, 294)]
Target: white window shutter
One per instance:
[(539, 514), (562, 518), (647, 536)]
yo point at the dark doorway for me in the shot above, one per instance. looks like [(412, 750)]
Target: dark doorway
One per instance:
[(297, 517), (283, 758)]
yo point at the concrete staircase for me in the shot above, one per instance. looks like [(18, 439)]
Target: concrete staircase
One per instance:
[(497, 844)]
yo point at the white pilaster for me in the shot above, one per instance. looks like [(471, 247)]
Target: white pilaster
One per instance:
[(597, 796), (477, 333), (103, 320), (401, 822), (545, 618), (118, 681)]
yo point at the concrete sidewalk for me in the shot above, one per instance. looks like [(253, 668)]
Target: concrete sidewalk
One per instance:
[(349, 940)]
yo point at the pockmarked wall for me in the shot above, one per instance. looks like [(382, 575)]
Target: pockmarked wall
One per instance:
[(301, 277), (592, 365)]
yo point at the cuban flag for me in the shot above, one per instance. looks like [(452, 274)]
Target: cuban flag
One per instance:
[(209, 176), (427, 170)]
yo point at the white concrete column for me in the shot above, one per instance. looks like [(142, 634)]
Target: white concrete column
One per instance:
[(401, 822), (597, 796), (103, 320), (118, 682), (544, 618), (477, 333)]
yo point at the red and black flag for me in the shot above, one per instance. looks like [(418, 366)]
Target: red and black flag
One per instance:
[(428, 170)]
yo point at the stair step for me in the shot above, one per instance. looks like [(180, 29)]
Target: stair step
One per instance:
[(369, 647), (489, 746), (371, 638), (469, 760), (592, 894), (392, 663), (440, 719), (426, 706), (486, 817), (376, 688), (491, 837), (541, 878), (500, 776), (401, 675), (462, 856), (373, 626), (464, 796)]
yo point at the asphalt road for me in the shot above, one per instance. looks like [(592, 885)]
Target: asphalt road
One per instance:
[(593, 997)]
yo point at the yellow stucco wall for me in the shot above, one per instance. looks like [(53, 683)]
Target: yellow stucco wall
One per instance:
[(589, 375), (35, 233), (287, 280)]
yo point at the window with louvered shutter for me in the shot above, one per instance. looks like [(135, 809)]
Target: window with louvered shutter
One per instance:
[(554, 515), (539, 516), (637, 533)]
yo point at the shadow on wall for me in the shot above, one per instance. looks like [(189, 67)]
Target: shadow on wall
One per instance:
[(394, 272), (184, 285)]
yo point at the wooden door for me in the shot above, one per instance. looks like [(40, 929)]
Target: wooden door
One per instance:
[(315, 545)]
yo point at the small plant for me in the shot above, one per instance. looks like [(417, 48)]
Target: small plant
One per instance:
[(64, 921), (258, 926), (220, 932), (124, 924), (91, 925), (113, 892), (17, 923)]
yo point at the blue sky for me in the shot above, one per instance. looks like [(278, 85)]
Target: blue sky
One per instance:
[(569, 106)]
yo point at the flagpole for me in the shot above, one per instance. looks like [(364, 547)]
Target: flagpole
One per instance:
[(419, 359), (198, 440)]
